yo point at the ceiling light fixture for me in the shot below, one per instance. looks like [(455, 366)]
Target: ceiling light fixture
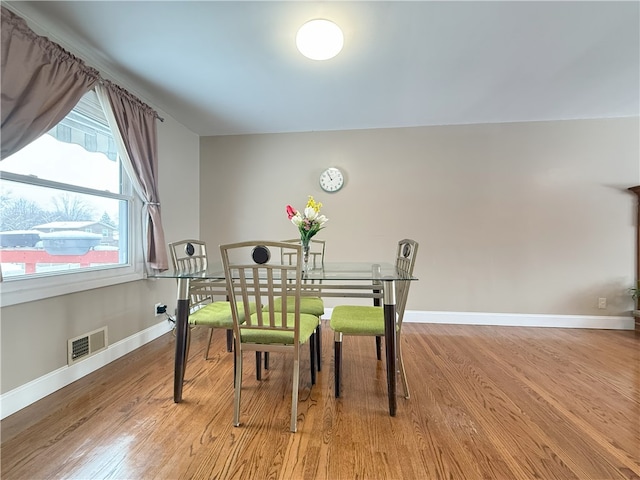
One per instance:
[(319, 39)]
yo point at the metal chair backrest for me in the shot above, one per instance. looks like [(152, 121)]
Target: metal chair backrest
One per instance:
[(405, 262), (316, 252), (191, 256), (253, 275)]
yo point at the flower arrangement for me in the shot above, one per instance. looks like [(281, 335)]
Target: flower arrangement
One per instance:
[(308, 222)]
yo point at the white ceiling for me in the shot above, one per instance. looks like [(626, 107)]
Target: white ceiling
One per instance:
[(232, 67)]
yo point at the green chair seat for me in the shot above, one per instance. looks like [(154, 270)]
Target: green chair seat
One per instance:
[(358, 320), (308, 325), (309, 305), (217, 315)]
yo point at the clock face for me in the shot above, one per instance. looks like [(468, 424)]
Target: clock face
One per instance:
[(331, 180)]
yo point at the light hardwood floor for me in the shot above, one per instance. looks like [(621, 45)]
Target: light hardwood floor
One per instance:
[(486, 403)]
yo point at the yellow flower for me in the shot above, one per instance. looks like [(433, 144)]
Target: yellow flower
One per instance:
[(313, 204)]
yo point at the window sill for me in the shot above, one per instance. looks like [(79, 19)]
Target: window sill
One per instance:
[(14, 292)]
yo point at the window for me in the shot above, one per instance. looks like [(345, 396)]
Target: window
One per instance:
[(66, 208)]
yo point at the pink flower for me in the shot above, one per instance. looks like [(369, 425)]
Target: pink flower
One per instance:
[(291, 211)]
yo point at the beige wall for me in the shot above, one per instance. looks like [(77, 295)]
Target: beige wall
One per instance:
[(529, 218), (34, 335)]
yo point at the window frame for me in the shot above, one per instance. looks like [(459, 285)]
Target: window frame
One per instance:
[(21, 289)]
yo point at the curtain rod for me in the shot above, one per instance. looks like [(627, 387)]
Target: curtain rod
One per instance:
[(104, 81)]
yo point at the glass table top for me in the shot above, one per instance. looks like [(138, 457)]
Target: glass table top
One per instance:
[(330, 271)]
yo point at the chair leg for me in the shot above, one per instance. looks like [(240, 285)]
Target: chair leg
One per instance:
[(266, 360), (238, 386), (206, 352), (258, 365), (319, 346), (294, 394), (235, 368), (229, 340), (337, 360), (312, 357), (184, 367), (378, 347), (403, 375)]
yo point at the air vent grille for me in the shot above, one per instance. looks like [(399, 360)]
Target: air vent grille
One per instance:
[(86, 345), (80, 348)]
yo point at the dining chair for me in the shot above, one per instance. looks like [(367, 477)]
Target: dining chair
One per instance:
[(206, 311), (252, 275), (369, 320)]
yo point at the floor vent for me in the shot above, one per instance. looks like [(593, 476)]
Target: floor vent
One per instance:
[(86, 345)]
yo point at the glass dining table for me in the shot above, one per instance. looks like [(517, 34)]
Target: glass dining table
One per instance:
[(339, 279)]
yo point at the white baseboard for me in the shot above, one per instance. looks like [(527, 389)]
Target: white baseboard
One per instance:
[(516, 319), (521, 320), (31, 392)]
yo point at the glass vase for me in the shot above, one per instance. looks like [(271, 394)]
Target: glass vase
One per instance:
[(305, 257)]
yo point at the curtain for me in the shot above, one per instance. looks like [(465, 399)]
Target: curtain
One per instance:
[(134, 125), (41, 83)]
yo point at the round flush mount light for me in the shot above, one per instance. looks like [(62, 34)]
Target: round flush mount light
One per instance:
[(319, 39)]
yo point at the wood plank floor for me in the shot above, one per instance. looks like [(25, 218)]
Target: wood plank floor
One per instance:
[(486, 403)]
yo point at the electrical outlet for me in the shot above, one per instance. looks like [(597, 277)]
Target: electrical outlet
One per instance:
[(159, 309), (602, 302)]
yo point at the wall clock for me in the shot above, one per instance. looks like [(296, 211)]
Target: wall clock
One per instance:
[(331, 180)]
